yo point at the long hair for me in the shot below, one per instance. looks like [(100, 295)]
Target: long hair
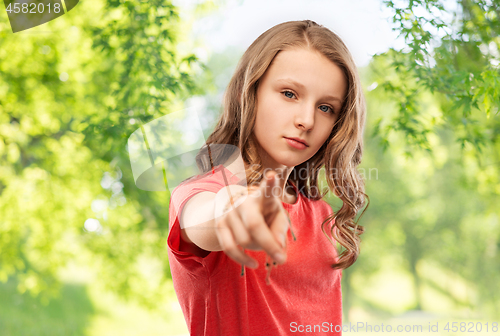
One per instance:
[(340, 154)]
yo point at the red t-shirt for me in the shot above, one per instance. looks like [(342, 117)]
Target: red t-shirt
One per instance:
[(304, 294)]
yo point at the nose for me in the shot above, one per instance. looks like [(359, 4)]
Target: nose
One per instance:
[(304, 117)]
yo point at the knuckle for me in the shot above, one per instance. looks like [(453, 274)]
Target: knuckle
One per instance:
[(221, 223), (231, 249), (253, 225), (231, 218), (244, 241), (228, 246)]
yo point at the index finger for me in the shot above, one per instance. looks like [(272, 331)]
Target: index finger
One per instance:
[(263, 235)]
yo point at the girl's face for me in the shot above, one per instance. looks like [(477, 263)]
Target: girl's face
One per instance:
[(299, 96)]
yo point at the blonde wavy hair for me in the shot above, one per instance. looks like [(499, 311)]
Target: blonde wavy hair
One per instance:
[(341, 152)]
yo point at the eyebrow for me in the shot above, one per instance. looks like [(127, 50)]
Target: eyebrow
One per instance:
[(301, 86)]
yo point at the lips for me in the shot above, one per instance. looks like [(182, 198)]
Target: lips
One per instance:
[(299, 140)]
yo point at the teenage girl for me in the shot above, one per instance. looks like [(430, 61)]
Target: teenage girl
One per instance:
[(293, 106)]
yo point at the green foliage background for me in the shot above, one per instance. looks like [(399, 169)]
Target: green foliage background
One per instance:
[(72, 92), (434, 113)]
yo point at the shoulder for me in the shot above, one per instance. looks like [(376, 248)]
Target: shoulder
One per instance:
[(206, 184), (209, 181)]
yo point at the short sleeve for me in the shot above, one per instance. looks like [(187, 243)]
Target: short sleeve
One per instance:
[(211, 182)]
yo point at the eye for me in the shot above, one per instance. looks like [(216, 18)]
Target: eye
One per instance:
[(288, 94), (326, 108)]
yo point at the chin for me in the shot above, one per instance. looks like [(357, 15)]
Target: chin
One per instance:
[(290, 162)]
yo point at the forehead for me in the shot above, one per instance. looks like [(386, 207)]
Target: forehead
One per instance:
[(299, 58), (308, 68)]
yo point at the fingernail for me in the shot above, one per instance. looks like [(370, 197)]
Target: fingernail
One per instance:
[(279, 257), (253, 264)]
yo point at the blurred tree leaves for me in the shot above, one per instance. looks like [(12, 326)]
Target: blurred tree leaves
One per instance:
[(71, 92), (434, 108), (452, 50), (433, 220)]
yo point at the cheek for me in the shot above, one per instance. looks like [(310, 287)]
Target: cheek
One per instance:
[(325, 135), (261, 127), (268, 117)]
